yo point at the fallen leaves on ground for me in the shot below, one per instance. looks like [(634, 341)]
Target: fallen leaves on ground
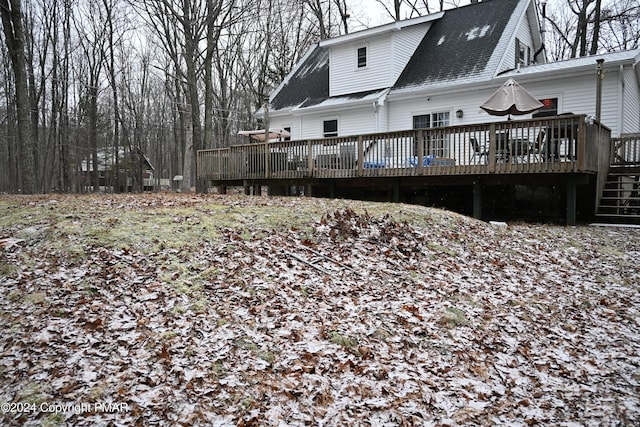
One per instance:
[(346, 316)]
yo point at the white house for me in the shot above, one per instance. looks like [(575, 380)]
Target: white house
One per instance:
[(438, 69)]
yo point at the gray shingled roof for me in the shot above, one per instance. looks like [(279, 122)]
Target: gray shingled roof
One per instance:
[(458, 45), (309, 84)]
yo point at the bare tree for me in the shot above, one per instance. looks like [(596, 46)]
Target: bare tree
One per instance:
[(8, 141), (415, 8), (92, 38), (587, 27), (621, 26), (344, 14), (12, 23), (109, 55), (321, 15)]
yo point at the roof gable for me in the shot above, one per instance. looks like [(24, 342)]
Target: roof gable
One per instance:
[(382, 29), (459, 45)]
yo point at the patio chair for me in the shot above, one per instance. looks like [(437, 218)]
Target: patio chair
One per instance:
[(538, 145), (478, 151), (503, 147)]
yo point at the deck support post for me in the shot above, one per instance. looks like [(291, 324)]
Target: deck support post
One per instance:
[(420, 139), (332, 189), (477, 199), (396, 191), (492, 148), (360, 156), (571, 199)]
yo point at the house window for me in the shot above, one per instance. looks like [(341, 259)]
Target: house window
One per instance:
[(439, 120), (330, 128), (422, 121), (362, 57), (549, 108), (433, 120), (288, 129), (522, 54), (433, 143)]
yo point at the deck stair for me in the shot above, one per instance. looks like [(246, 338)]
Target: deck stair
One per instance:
[(620, 198)]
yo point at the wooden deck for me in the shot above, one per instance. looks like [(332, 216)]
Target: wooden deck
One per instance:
[(561, 144), (570, 152)]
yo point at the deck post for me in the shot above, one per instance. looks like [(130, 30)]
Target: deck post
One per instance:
[(310, 158), (571, 199), (267, 160), (420, 146), (396, 191), (581, 141), (360, 156), (492, 148), (477, 199)]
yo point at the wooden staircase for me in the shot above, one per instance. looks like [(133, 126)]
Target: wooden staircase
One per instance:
[(620, 198)]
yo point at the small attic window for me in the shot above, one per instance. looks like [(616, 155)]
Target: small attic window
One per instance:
[(523, 54), (362, 57)]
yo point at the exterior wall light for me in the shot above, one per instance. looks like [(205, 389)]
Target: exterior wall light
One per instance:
[(459, 114)]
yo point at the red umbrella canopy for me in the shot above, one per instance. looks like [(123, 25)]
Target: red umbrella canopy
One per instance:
[(511, 98)]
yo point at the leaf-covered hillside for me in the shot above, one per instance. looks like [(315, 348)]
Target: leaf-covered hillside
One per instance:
[(222, 310)]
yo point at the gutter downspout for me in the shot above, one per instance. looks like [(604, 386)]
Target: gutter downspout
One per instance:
[(378, 110), (599, 77), (377, 116)]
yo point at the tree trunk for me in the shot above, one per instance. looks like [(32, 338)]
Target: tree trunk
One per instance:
[(185, 186), (64, 136), (195, 133), (111, 68), (595, 37), (15, 39), (93, 135)]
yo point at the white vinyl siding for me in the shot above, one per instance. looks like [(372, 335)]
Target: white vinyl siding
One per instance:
[(386, 58), (290, 122), (631, 103), (344, 75), (350, 122), (524, 36), (354, 121), (521, 36), (503, 57)]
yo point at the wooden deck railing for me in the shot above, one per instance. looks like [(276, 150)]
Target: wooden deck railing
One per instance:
[(625, 150), (556, 144)]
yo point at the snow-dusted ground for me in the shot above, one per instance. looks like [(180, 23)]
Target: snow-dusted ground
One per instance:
[(356, 318)]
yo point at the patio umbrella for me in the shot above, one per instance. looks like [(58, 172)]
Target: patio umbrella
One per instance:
[(259, 134), (511, 98)]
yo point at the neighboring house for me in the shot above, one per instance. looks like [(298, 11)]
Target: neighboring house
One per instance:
[(438, 69), (128, 167)]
